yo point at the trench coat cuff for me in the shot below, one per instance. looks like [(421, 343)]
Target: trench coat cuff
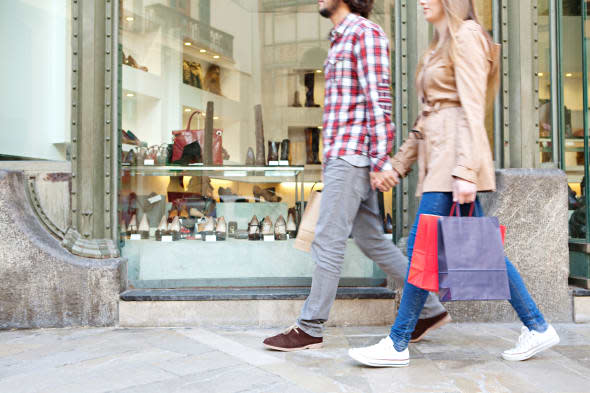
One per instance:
[(465, 174)]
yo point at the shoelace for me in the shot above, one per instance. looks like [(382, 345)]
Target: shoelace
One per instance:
[(525, 338), (291, 328)]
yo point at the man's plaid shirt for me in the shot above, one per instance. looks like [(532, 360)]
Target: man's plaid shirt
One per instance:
[(357, 107)]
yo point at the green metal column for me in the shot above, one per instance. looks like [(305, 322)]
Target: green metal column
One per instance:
[(94, 119)]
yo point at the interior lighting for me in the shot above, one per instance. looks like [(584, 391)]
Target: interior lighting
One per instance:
[(569, 75), (215, 117), (540, 74), (129, 19), (187, 43), (130, 94), (216, 57), (187, 109), (318, 71), (203, 51)]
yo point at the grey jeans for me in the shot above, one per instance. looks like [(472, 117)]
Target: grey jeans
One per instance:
[(349, 205)]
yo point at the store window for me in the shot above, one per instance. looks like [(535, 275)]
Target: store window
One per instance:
[(572, 113), (35, 76), (222, 106)]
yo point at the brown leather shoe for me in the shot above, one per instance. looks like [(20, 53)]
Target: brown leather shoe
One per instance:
[(293, 339), (427, 324)]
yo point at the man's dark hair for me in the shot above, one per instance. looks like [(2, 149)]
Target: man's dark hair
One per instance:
[(360, 7)]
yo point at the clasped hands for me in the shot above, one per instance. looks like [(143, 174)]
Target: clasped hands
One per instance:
[(384, 180)]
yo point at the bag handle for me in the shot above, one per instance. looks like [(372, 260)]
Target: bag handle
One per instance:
[(454, 208), (188, 125)]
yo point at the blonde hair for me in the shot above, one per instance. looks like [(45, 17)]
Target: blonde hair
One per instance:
[(457, 12)]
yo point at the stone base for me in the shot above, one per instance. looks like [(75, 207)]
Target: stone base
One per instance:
[(43, 285), (260, 313)]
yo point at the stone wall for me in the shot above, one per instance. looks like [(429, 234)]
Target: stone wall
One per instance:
[(532, 204), (43, 285)]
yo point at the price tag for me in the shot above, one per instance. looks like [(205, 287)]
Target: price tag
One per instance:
[(148, 162), (155, 199), (273, 163), (283, 163), (135, 236), (210, 238), (269, 238), (166, 238)]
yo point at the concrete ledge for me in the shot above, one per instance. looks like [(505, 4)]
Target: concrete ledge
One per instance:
[(582, 309), (278, 293), (42, 284), (532, 204), (260, 313)]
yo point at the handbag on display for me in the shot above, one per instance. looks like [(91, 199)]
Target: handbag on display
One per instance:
[(311, 214), (471, 259), (182, 138)]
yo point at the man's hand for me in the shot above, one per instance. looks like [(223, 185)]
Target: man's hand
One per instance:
[(464, 191), (384, 181)]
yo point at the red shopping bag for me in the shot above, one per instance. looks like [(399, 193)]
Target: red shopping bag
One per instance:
[(424, 265)]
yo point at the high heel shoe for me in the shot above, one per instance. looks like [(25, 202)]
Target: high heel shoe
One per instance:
[(254, 229)]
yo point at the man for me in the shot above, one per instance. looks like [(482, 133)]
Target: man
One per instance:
[(358, 137)]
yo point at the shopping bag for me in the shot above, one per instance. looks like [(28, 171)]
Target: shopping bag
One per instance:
[(306, 231), (424, 265), (185, 137), (471, 259)]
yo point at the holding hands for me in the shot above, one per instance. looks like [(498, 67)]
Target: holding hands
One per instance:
[(384, 181)]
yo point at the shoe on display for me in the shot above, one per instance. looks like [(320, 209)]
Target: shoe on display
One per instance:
[(162, 229), (207, 228), (193, 212), (226, 195), (293, 339), (291, 224), (191, 154), (232, 229), (388, 224), (173, 213), (175, 228), (186, 73), (280, 229), (273, 151), (132, 227), (531, 343), (221, 229), (254, 229), (183, 212), (428, 324), (144, 227), (382, 354), (268, 195), (285, 147), (250, 157), (267, 228)]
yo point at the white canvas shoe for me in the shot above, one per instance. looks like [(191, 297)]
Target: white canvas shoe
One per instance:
[(531, 343), (382, 354)]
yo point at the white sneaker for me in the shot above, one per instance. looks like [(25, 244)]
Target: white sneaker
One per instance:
[(382, 354), (531, 343)]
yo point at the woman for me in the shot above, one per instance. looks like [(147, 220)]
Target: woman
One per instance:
[(455, 78)]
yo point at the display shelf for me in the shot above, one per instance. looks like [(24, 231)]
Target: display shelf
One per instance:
[(246, 174), (141, 82), (224, 107)]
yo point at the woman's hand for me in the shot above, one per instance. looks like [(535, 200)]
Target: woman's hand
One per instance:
[(464, 191)]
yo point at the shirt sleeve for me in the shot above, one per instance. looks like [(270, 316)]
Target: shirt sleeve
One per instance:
[(372, 54)]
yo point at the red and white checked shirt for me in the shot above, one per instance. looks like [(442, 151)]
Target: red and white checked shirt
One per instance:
[(357, 107)]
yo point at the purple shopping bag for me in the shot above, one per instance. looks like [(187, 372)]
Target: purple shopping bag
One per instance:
[(471, 259)]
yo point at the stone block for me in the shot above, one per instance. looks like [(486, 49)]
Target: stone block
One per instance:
[(43, 284), (582, 309)]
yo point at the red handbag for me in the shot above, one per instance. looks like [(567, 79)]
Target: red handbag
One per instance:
[(185, 137)]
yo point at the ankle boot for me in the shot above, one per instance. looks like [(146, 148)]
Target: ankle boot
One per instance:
[(315, 145), (291, 224), (267, 228), (273, 151), (285, 144), (280, 229), (308, 146), (250, 158), (254, 229), (190, 154)]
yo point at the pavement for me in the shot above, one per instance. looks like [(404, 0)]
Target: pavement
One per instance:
[(456, 358)]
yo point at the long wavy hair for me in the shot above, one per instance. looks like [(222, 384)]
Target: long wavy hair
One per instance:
[(458, 11), (360, 7)]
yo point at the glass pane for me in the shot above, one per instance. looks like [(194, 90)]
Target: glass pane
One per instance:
[(35, 77), (545, 115), (237, 55), (484, 9), (573, 112)]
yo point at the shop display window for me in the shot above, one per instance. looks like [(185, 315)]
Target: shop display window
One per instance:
[(221, 144)]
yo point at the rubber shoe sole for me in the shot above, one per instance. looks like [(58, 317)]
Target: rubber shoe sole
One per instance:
[(379, 363), (437, 325), (310, 346), (532, 352)]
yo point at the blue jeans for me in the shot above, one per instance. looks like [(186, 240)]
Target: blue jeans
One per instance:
[(439, 203)]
